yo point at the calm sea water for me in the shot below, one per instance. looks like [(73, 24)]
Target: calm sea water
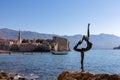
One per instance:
[(48, 66)]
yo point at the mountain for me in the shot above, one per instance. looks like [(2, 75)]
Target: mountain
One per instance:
[(13, 34), (101, 41), (105, 41)]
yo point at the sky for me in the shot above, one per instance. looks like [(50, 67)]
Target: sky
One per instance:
[(61, 17)]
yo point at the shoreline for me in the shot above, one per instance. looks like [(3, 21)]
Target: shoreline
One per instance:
[(11, 76), (24, 52), (66, 75), (21, 52), (5, 51), (8, 76)]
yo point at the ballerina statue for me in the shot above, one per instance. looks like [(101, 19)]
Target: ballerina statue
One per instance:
[(82, 50)]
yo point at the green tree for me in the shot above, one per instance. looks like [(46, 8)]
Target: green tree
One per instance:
[(40, 40), (25, 41)]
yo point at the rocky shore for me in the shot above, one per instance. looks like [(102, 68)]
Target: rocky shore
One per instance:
[(65, 76), (87, 76), (6, 76), (10, 76)]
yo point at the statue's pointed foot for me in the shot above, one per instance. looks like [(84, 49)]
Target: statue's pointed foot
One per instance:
[(82, 69)]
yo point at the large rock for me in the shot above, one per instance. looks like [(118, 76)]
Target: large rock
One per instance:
[(86, 76), (9, 76), (6, 76)]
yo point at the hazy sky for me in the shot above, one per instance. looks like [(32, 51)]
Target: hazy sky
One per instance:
[(62, 17)]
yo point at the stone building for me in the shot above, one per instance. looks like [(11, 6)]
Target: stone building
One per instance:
[(53, 45), (6, 43), (61, 44), (19, 41)]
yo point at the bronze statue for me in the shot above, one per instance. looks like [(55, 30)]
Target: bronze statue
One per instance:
[(82, 50)]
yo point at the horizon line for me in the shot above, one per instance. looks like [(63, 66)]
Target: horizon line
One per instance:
[(59, 34)]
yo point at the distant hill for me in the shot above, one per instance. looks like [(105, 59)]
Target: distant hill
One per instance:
[(12, 34), (101, 41)]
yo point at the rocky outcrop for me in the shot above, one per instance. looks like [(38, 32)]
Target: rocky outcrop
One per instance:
[(6, 76), (9, 76), (86, 76)]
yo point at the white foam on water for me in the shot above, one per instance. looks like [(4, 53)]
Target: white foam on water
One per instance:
[(28, 77)]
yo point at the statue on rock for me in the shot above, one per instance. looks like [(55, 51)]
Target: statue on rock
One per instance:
[(82, 50)]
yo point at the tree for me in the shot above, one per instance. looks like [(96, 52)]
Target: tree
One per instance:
[(40, 40), (25, 41)]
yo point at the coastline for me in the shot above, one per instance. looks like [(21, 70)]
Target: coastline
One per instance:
[(8, 76), (31, 52), (21, 52), (66, 75), (11, 76), (5, 51)]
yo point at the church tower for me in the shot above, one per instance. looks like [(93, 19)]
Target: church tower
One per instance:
[(19, 37)]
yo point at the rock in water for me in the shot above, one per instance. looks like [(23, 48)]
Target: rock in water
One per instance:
[(86, 76), (6, 76)]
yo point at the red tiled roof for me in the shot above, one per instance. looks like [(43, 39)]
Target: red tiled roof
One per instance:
[(2, 39)]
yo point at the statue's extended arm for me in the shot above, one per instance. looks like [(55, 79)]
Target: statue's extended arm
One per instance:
[(75, 48)]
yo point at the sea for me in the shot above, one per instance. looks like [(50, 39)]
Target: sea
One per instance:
[(47, 66)]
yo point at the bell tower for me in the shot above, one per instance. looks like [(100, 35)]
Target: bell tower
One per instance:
[(19, 37)]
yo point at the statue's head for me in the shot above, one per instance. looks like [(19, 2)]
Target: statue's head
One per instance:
[(86, 38)]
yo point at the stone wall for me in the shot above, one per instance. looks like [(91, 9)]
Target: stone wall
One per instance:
[(63, 44), (26, 47)]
